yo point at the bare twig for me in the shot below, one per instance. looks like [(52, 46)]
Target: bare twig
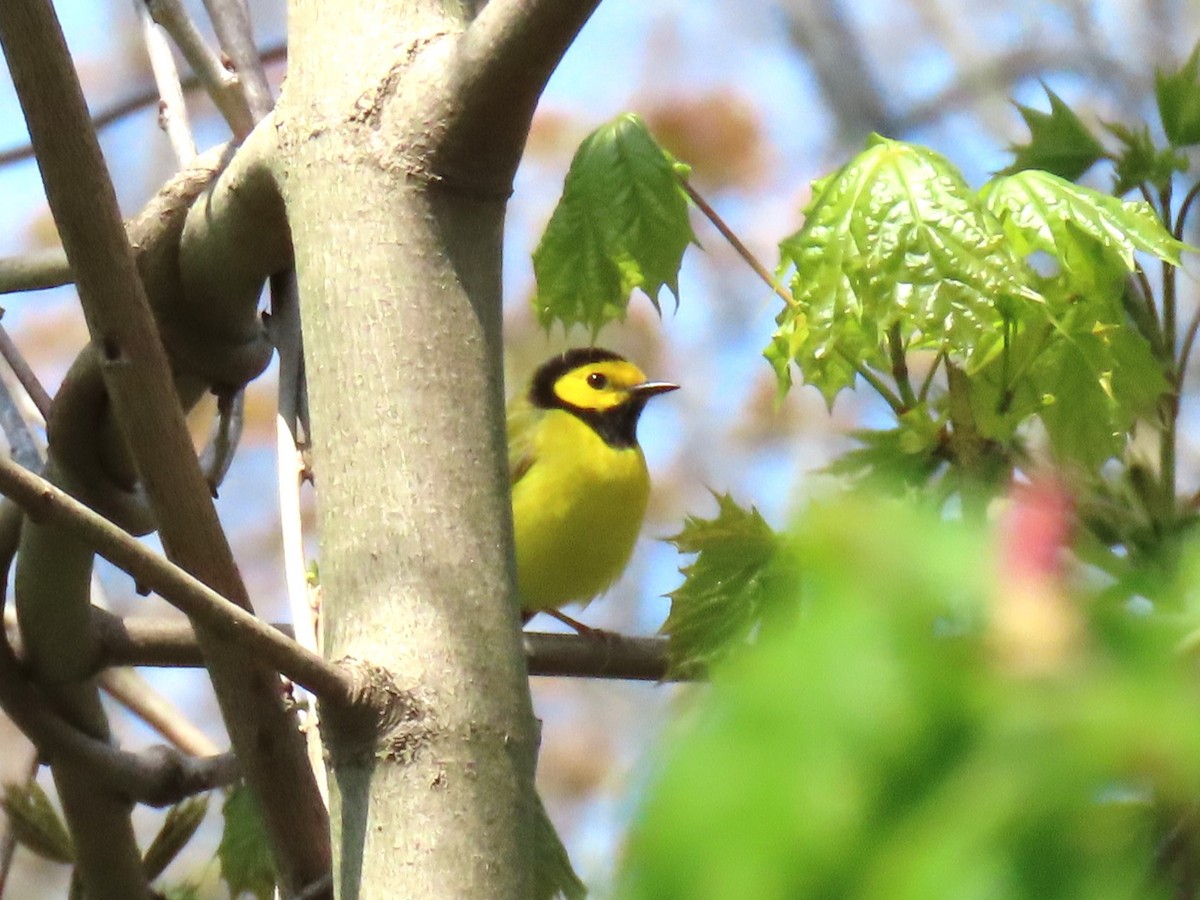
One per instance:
[(45, 503), (222, 85), (736, 243), (158, 776), (140, 387), (231, 21), (24, 372), (172, 111), (134, 693), (135, 102)]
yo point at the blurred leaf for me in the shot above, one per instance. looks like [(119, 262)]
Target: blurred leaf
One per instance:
[(36, 824), (905, 456), (894, 236), (874, 748), (1178, 95), (1041, 211), (1059, 142), (243, 853), (1141, 162), (622, 223), (725, 588), (178, 827)]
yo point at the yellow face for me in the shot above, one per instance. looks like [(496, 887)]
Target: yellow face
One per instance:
[(599, 386)]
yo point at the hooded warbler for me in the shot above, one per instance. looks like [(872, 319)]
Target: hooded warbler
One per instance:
[(579, 479)]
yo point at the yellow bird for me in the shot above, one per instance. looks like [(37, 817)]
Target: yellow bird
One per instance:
[(579, 479)]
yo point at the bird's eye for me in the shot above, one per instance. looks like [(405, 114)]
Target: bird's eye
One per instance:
[(597, 380)]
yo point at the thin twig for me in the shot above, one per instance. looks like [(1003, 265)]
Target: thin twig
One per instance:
[(136, 694), (43, 502), (231, 21), (221, 85), (24, 372), (923, 393), (140, 100), (172, 111), (734, 241)]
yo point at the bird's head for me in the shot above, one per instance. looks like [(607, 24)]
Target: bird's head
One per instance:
[(601, 387)]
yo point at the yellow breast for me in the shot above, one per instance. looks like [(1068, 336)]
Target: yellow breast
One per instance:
[(576, 512)]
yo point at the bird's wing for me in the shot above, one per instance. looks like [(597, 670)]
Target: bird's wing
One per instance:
[(523, 419)]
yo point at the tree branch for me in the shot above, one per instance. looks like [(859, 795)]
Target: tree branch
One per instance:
[(46, 504), (222, 86), (139, 386), (142, 99), (158, 776), (231, 21), (57, 632), (38, 270), (504, 61), (144, 641)]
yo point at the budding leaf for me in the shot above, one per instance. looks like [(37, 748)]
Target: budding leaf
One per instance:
[(1059, 142), (180, 823), (35, 823), (1178, 95)]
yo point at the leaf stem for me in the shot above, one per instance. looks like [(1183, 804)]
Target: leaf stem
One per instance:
[(742, 250), (1170, 401), (923, 393), (890, 397), (895, 344)]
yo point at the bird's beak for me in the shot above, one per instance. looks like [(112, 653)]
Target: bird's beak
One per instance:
[(648, 389)]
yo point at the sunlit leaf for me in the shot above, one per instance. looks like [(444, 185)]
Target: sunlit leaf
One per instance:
[(1059, 142), (726, 587), (622, 223), (1096, 383), (1178, 95), (244, 854), (895, 236), (1043, 212)]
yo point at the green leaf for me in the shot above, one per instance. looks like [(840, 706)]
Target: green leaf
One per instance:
[(903, 457), (1059, 142), (180, 823), (35, 823), (1096, 383), (554, 876), (622, 223), (1178, 95), (1141, 162), (243, 853), (1040, 211), (726, 588), (896, 235)]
